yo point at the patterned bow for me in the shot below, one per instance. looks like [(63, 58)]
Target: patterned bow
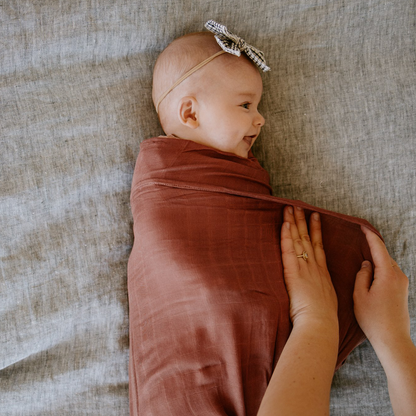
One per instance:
[(233, 44)]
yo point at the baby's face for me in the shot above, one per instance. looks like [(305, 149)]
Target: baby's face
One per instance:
[(228, 117)]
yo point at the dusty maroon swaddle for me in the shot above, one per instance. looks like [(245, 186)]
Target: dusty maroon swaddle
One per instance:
[(209, 311)]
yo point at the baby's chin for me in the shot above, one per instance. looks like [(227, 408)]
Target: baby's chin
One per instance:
[(242, 154), (238, 152), (241, 151)]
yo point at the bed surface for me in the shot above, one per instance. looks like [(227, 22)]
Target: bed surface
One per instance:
[(75, 103)]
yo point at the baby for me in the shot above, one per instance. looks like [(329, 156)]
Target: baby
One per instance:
[(209, 96)]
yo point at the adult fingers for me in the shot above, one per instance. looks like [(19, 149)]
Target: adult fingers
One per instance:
[(381, 257), (364, 278), (290, 262), (316, 238), (297, 241), (302, 226), (304, 238)]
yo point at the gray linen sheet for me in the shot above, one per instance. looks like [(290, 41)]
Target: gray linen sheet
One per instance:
[(75, 103)]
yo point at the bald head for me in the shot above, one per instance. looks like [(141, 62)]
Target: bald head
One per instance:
[(178, 58)]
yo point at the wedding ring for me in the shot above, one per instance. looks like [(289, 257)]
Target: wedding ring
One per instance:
[(304, 256)]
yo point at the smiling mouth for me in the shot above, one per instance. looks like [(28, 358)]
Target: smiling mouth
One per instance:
[(249, 139)]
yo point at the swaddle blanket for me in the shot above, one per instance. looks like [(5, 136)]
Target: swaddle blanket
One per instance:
[(209, 311)]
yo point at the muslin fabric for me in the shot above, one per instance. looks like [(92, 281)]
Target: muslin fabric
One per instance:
[(209, 311)]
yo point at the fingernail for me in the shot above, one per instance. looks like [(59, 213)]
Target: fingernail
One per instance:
[(290, 210), (315, 216), (299, 208), (287, 225), (365, 263)]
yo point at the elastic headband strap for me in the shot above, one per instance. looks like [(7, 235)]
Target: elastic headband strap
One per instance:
[(190, 72)]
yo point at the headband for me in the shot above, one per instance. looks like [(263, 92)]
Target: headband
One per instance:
[(229, 43)]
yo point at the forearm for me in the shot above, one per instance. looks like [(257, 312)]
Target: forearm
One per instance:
[(301, 381), (399, 362)]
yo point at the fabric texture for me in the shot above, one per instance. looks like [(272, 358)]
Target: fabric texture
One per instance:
[(233, 44), (75, 103), (209, 311)]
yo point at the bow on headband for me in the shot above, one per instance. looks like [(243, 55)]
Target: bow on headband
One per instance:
[(233, 44)]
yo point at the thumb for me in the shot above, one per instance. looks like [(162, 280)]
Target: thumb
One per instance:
[(364, 277)]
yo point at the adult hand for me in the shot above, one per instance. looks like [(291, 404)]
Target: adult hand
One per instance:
[(380, 305), (312, 295), (301, 380)]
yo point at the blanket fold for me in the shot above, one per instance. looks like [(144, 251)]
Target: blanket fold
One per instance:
[(209, 311)]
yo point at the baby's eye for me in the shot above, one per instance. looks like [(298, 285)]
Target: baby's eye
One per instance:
[(246, 105)]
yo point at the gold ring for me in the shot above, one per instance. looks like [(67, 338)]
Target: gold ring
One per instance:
[(304, 256)]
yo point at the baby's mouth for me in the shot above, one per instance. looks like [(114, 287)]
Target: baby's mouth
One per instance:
[(249, 139)]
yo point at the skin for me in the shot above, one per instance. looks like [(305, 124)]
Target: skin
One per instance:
[(223, 112), (381, 310), (301, 381)]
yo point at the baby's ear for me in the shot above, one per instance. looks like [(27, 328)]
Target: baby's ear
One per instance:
[(188, 112)]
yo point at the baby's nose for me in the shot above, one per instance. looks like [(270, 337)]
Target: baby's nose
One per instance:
[(259, 120)]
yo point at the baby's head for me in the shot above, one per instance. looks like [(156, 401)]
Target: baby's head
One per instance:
[(217, 104)]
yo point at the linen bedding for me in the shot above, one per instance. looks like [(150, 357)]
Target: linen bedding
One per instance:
[(75, 104)]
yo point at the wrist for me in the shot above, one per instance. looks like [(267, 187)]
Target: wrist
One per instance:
[(323, 330), (392, 349), (329, 326)]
